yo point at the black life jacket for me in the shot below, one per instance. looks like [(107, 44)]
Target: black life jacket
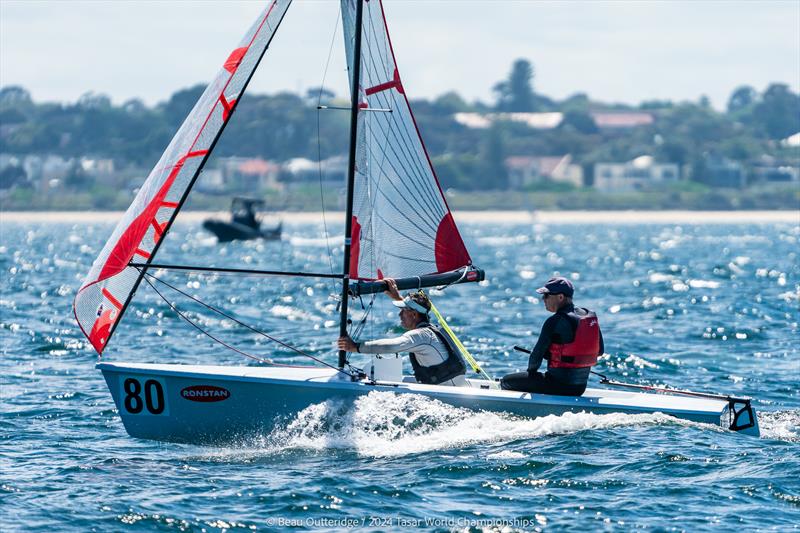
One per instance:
[(448, 369), (582, 352)]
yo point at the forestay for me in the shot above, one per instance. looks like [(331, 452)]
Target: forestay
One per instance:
[(401, 223), (105, 292)]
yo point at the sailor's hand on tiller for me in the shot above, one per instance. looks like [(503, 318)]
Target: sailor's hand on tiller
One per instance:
[(391, 289), (346, 343)]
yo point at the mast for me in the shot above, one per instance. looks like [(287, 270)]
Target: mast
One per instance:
[(351, 172)]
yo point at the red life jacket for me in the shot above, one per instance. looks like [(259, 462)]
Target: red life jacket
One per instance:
[(582, 352)]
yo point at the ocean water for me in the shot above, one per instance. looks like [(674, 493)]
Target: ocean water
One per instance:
[(705, 307)]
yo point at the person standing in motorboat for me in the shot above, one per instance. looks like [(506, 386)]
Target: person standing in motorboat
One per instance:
[(570, 340), (434, 357)]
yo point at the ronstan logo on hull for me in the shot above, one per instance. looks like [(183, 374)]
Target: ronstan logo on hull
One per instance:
[(205, 393)]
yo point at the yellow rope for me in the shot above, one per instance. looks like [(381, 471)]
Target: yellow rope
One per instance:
[(471, 360)]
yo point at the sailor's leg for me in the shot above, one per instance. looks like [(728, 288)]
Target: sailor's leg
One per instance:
[(552, 386), (524, 382)]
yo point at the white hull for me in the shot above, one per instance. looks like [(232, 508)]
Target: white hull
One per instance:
[(223, 404)]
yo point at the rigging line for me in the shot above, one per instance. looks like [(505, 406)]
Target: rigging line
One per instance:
[(246, 271), (237, 321), (206, 333), (459, 280), (319, 148), (358, 328)]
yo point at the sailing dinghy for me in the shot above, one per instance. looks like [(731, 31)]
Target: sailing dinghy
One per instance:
[(398, 224)]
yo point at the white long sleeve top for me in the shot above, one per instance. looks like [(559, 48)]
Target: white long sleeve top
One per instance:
[(428, 348)]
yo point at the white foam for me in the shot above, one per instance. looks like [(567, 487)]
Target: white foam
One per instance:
[(789, 295), (506, 455), (292, 313), (780, 425), (503, 241), (388, 425), (316, 242), (703, 284), (640, 362)]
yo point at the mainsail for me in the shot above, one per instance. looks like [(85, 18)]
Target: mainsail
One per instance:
[(110, 284), (401, 224)]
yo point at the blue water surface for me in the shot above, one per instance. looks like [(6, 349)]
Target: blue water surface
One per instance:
[(709, 307)]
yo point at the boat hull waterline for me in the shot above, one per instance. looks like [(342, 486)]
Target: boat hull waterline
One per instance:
[(225, 405)]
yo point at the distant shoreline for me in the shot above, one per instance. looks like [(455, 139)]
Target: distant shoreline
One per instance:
[(501, 217)]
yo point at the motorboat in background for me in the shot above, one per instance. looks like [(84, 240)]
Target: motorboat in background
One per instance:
[(245, 223)]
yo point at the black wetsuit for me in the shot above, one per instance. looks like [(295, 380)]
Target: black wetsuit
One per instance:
[(559, 328)]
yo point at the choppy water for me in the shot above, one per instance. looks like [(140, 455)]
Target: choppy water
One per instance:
[(708, 307)]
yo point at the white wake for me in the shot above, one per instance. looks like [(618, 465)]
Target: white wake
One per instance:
[(384, 424)]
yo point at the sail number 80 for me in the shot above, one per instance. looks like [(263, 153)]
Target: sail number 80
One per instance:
[(145, 396)]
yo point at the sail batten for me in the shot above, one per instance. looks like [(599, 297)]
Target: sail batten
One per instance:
[(402, 225), (111, 282)]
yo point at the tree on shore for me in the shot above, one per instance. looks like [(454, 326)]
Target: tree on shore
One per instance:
[(779, 111), (515, 94)]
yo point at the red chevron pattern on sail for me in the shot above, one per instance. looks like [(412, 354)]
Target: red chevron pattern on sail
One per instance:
[(402, 224), (108, 287)]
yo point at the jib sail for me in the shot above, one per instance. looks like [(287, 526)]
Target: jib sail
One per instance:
[(105, 292)]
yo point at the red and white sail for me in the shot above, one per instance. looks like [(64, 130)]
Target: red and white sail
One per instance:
[(401, 223), (108, 287)]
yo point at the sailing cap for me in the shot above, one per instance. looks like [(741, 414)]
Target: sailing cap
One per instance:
[(417, 301), (557, 286)]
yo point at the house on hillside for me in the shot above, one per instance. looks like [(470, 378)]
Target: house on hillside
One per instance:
[(300, 169), (621, 119), (243, 174), (773, 170), (637, 174), (523, 171), (263, 172), (537, 121), (717, 171)]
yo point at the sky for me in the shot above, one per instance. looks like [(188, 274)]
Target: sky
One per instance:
[(622, 51)]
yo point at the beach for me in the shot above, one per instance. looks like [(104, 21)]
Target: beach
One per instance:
[(502, 217)]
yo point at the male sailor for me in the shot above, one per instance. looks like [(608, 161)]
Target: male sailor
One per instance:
[(570, 340), (434, 357)]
